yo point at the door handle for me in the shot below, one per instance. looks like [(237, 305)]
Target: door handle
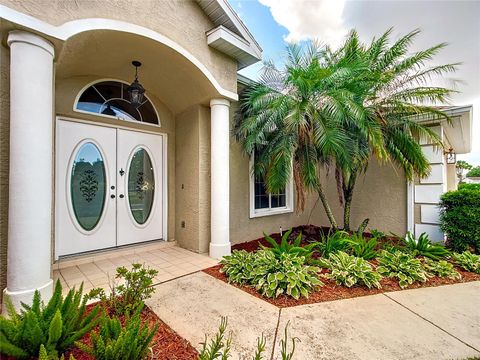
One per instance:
[(112, 196), (121, 196)]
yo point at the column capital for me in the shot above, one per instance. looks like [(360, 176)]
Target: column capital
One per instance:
[(220, 101), (30, 38)]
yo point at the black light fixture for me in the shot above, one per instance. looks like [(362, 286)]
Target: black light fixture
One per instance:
[(136, 90)]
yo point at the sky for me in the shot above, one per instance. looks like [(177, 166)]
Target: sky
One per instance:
[(274, 23)]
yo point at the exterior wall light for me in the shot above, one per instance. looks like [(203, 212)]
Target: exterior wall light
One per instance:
[(136, 90), (451, 156)]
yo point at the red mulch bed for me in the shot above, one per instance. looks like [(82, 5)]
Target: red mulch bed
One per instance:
[(166, 344), (331, 291)]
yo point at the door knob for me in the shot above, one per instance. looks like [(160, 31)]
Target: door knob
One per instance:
[(122, 196), (112, 196), (112, 187)]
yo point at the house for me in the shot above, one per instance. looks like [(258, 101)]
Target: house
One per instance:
[(115, 131)]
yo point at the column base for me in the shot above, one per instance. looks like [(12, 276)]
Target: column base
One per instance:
[(26, 296), (217, 251)]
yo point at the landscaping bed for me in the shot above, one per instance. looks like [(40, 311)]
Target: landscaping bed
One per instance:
[(166, 344), (331, 289)]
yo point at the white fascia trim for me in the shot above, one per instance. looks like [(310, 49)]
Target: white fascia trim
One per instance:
[(71, 28), (222, 33), (255, 213), (240, 25)]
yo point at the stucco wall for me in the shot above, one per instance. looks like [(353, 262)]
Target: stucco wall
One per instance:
[(182, 21), (192, 164), (4, 156), (67, 89), (380, 195)]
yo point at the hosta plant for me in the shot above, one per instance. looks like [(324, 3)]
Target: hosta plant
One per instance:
[(117, 342), (441, 268), (423, 246), (363, 247), (126, 297), (56, 326), (286, 247), (468, 261), (349, 270), (401, 266), (271, 276)]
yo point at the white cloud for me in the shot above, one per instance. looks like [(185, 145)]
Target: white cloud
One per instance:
[(307, 19)]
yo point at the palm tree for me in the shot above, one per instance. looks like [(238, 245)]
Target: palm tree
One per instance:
[(292, 120), (394, 92)]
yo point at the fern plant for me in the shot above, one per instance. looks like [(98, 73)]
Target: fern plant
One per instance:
[(56, 326), (332, 242), (441, 268), (349, 270), (424, 247), (220, 345), (468, 261), (285, 247), (362, 247), (43, 355), (401, 266), (114, 342)]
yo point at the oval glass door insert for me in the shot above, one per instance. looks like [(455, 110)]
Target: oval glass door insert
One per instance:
[(141, 186), (88, 186)]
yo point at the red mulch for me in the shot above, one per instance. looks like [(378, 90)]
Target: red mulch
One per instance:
[(166, 344), (331, 291)]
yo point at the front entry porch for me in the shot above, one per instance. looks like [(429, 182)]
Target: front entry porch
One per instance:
[(98, 269)]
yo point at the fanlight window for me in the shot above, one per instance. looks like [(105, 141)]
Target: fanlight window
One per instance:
[(111, 98)]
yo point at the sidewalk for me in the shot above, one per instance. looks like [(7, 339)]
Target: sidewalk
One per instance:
[(428, 323)]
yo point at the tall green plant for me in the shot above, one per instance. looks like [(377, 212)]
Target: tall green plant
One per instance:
[(54, 327), (285, 247), (393, 92)]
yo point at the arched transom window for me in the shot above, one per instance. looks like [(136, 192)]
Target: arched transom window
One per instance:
[(110, 98)]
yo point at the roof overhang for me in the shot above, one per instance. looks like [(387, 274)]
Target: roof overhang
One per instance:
[(458, 131), (230, 35)]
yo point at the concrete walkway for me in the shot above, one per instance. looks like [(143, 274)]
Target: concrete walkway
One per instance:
[(429, 323)]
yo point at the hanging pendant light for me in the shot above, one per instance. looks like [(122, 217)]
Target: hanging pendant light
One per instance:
[(136, 90)]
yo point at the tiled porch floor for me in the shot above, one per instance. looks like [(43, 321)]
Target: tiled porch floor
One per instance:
[(169, 260)]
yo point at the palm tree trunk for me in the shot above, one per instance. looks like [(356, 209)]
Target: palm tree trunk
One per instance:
[(327, 208), (348, 197)]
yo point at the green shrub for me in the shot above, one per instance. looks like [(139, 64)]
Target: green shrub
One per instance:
[(127, 297), (349, 270), (424, 247), (333, 242), (271, 276), (468, 261), (474, 172), (362, 247), (460, 218), (56, 326), (472, 186), (219, 346), (117, 342), (401, 266), (441, 268), (285, 247), (43, 355), (377, 234)]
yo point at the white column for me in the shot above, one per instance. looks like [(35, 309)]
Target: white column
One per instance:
[(31, 157), (220, 182)]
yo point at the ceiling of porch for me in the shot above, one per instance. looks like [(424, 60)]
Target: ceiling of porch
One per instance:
[(164, 73)]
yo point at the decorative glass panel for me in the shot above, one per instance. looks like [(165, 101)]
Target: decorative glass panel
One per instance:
[(88, 186), (141, 186), (111, 98)]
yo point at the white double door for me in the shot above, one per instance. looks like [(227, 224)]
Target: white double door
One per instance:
[(109, 187)]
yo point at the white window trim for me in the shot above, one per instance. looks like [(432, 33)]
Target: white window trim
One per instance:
[(255, 213)]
